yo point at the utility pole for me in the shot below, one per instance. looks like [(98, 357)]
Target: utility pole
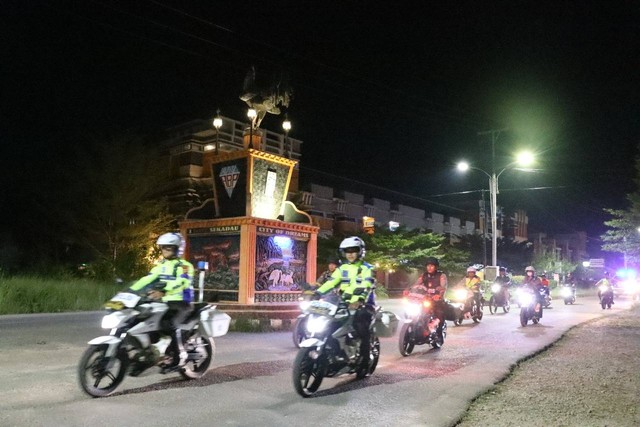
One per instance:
[(493, 188)]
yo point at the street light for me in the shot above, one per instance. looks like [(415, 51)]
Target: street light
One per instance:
[(523, 159), (286, 125), (252, 114), (217, 123)]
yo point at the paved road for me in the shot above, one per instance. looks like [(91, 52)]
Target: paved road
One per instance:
[(250, 381)]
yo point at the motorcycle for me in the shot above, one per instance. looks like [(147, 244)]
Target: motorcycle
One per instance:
[(420, 326), (568, 293), (333, 347), (469, 305), (606, 296), (499, 298), (547, 296), (527, 302), (135, 342)]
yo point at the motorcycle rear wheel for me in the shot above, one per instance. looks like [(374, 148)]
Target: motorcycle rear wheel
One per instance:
[(307, 373), (405, 342), (92, 371), (192, 370)]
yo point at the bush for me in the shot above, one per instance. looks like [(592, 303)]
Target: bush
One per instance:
[(33, 294)]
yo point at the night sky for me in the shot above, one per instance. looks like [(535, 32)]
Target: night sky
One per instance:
[(385, 92)]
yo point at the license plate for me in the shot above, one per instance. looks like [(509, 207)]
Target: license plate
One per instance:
[(128, 299)]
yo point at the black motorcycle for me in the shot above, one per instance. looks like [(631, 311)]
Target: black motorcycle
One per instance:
[(470, 304), (499, 298), (420, 326), (568, 293), (606, 296), (528, 302), (333, 346)]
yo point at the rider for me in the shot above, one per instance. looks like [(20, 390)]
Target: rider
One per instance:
[(504, 281), (605, 281), (545, 283), (356, 280), (171, 281), (432, 278), (533, 283), (472, 282)]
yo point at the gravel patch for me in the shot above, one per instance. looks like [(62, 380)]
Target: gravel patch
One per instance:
[(590, 377)]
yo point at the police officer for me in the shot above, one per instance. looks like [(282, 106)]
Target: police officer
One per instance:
[(436, 280), (170, 281), (356, 280), (472, 282)]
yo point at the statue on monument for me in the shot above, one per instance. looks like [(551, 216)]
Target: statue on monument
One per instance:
[(265, 97)]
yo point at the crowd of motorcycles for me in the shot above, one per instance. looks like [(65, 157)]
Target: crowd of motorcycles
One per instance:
[(324, 333)]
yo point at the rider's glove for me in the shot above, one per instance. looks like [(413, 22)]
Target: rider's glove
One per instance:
[(316, 295)]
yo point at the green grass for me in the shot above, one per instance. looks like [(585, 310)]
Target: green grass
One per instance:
[(33, 294)]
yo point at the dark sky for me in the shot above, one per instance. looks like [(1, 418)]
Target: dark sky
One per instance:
[(385, 92)]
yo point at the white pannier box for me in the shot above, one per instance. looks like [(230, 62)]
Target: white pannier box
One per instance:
[(215, 323)]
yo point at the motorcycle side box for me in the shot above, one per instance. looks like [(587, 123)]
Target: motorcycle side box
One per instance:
[(215, 323), (386, 323)]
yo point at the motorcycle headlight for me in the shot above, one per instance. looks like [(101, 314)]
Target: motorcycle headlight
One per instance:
[(317, 324), (304, 305), (495, 288), (413, 309), (566, 292), (525, 299), (112, 320), (460, 294), (603, 288)]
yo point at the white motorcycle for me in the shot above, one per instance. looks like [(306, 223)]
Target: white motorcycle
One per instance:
[(136, 342)]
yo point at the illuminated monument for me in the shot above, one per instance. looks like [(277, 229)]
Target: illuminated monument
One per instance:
[(258, 247)]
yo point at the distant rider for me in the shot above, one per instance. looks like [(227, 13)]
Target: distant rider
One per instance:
[(472, 282), (532, 283), (605, 281), (436, 281), (170, 281), (545, 283), (505, 283), (356, 281), (332, 264)]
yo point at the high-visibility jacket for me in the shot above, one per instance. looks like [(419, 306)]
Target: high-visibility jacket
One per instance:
[(173, 276), (350, 277)]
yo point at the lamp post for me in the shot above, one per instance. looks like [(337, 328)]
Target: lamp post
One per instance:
[(252, 114), (523, 159), (286, 125), (217, 123)]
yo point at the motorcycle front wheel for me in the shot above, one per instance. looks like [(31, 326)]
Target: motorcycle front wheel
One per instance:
[(205, 348), (374, 356), (477, 313), (307, 373), (439, 341), (524, 317), (299, 333), (493, 306), (99, 375), (406, 340)]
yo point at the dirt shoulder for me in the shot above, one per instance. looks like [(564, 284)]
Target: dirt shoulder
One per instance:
[(590, 377)]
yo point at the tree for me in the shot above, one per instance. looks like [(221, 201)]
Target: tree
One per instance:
[(624, 236), (108, 205)]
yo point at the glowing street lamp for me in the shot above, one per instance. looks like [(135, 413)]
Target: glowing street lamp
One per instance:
[(523, 159), (217, 123), (252, 114), (286, 125)]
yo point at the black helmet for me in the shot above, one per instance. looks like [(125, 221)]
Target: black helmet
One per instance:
[(432, 260), (335, 261)]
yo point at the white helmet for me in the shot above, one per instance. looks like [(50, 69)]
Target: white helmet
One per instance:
[(170, 239), (352, 242), (471, 269)]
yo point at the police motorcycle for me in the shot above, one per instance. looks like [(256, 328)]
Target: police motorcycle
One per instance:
[(469, 306), (568, 293), (499, 298), (527, 301), (420, 325), (606, 296), (135, 342), (333, 347)]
